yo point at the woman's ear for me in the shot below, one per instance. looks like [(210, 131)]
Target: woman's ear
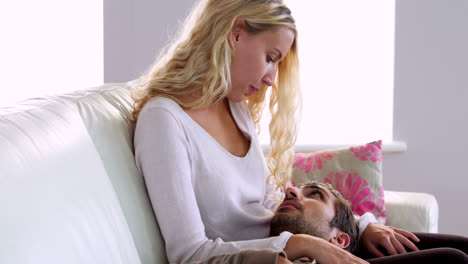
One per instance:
[(237, 30), (340, 239)]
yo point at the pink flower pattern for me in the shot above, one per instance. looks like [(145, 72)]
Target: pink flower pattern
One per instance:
[(357, 191), (312, 161), (372, 151), (380, 208)]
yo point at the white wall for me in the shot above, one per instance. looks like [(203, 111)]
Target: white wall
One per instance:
[(430, 106), (134, 33), (119, 41), (431, 88)]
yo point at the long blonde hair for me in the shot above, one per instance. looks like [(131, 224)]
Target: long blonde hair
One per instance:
[(199, 60)]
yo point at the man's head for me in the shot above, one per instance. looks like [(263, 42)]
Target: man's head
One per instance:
[(319, 210)]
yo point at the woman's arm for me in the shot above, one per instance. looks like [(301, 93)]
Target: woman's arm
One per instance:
[(265, 256), (319, 249)]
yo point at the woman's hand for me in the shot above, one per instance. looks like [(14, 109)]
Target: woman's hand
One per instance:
[(391, 239), (322, 251)]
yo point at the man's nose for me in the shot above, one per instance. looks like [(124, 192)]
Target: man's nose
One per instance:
[(293, 193)]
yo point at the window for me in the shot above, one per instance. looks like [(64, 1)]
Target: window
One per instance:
[(347, 57), (49, 47)]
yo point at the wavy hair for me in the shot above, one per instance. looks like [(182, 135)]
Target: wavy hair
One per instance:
[(198, 63)]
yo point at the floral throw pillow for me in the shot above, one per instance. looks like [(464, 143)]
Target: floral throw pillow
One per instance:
[(356, 172)]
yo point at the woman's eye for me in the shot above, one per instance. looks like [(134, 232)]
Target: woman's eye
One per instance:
[(270, 59)]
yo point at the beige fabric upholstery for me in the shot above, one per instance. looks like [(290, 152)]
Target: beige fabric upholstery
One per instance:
[(415, 212)]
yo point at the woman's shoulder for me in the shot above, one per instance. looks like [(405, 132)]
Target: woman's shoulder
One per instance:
[(161, 104), (161, 110)]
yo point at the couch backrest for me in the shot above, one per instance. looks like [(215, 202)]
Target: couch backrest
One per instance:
[(104, 112), (69, 188)]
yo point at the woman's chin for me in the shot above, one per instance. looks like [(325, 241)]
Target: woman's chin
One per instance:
[(236, 98)]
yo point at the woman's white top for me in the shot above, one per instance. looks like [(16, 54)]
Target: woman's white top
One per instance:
[(207, 201)]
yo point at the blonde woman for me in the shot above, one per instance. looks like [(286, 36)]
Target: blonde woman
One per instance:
[(197, 113)]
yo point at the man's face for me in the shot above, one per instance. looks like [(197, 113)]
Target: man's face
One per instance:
[(307, 210)]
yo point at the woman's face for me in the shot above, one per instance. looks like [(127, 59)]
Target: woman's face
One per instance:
[(255, 59)]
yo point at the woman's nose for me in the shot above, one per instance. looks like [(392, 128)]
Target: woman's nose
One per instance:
[(268, 80), (293, 193), (269, 76)]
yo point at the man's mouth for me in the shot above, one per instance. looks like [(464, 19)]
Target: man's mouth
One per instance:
[(290, 203)]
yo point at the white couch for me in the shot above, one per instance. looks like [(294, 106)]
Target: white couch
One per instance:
[(70, 191)]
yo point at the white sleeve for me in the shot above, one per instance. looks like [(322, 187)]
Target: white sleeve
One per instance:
[(163, 156), (364, 221)]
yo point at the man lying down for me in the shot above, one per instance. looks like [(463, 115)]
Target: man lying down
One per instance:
[(319, 210), (314, 209)]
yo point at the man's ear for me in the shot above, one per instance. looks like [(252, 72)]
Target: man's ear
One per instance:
[(340, 239), (237, 30)]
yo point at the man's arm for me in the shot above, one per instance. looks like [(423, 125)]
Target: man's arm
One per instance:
[(391, 239)]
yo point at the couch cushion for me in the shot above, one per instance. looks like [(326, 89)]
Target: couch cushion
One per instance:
[(104, 111), (412, 211), (58, 205), (356, 172)]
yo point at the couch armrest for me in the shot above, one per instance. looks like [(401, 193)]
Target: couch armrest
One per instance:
[(415, 212)]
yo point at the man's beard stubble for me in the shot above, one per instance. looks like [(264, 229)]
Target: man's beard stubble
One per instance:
[(297, 225)]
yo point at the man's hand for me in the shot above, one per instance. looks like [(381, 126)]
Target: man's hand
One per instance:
[(322, 251), (391, 239)]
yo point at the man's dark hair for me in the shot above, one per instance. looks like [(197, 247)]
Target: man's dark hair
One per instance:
[(344, 218)]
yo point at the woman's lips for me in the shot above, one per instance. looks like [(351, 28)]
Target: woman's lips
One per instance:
[(252, 90)]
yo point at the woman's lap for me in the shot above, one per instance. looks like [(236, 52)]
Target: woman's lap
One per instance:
[(426, 256), (433, 248), (433, 240)]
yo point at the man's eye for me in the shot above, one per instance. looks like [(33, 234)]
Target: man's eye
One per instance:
[(316, 193)]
